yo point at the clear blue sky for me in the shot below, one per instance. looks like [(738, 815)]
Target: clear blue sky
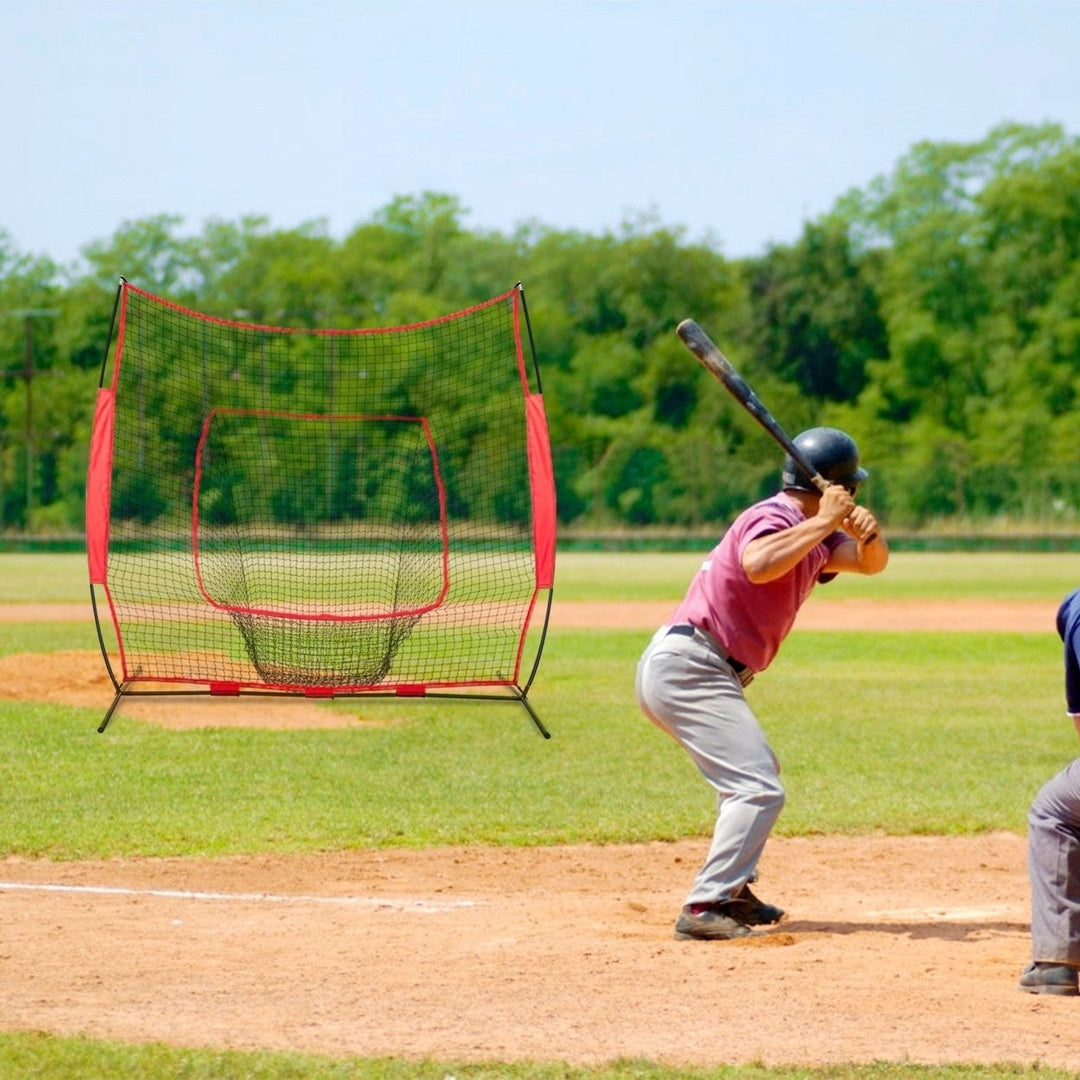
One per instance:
[(739, 120)]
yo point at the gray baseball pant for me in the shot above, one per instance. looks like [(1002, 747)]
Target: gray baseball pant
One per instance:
[(689, 690), (1054, 868)]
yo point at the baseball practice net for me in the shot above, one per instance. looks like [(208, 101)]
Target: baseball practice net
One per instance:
[(320, 512)]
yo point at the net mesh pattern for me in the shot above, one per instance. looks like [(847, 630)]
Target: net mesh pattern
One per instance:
[(304, 509)]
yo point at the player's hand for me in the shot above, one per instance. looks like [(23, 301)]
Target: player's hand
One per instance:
[(861, 524), (837, 504)]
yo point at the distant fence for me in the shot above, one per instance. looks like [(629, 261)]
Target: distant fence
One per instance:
[(649, 541), (900, 541)]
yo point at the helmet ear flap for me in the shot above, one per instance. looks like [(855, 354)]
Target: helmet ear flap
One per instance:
[(793, 477)]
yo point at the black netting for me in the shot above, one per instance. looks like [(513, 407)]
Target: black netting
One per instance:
[(342, 509)]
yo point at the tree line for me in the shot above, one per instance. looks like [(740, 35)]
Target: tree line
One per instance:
[(934, 314)]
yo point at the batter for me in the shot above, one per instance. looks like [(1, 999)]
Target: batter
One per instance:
[(736, 613)]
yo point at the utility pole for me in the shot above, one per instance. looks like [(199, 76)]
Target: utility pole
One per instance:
[(28, 315)]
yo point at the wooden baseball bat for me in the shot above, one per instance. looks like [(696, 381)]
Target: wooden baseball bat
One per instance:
[(699, 343)]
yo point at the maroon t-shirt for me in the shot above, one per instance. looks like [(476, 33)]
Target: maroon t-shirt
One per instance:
[(749, 620)]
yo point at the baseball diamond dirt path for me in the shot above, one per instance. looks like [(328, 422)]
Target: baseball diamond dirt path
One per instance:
[(898, 949), (818, 614)]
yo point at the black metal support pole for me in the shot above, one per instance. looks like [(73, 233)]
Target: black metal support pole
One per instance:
[(112, 708)]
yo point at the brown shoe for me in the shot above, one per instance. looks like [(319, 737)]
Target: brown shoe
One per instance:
[(712, 924)]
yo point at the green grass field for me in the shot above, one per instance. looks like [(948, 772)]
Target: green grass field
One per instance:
[(39, 1056), (904, 733), (910, 575), (659, 576)]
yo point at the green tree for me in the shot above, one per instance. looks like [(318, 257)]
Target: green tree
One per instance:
[(814, 315), (977, 248), (284, 278), (28, 353)]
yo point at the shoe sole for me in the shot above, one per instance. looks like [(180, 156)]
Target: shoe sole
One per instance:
[(682, 936), (1057, 991), (752, 921)]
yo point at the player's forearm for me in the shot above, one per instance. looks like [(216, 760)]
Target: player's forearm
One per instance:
[(873, 555)]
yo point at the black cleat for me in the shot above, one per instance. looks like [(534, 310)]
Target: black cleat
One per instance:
[(747, 908)]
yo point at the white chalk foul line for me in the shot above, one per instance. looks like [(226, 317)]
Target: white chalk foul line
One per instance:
[(941, 914), (423, 907)]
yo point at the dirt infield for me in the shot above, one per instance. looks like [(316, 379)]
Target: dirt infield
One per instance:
[(898, 949), (850, 614)]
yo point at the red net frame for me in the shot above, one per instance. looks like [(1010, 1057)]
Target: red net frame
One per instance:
[(320, 512), (297, 611)]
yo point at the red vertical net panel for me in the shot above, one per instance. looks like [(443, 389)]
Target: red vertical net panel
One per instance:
[(323, 511)]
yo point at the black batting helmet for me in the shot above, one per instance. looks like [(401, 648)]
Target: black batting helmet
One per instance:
[(831, 452)]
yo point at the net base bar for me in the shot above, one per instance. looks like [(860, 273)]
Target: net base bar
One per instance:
[(513, 694)]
